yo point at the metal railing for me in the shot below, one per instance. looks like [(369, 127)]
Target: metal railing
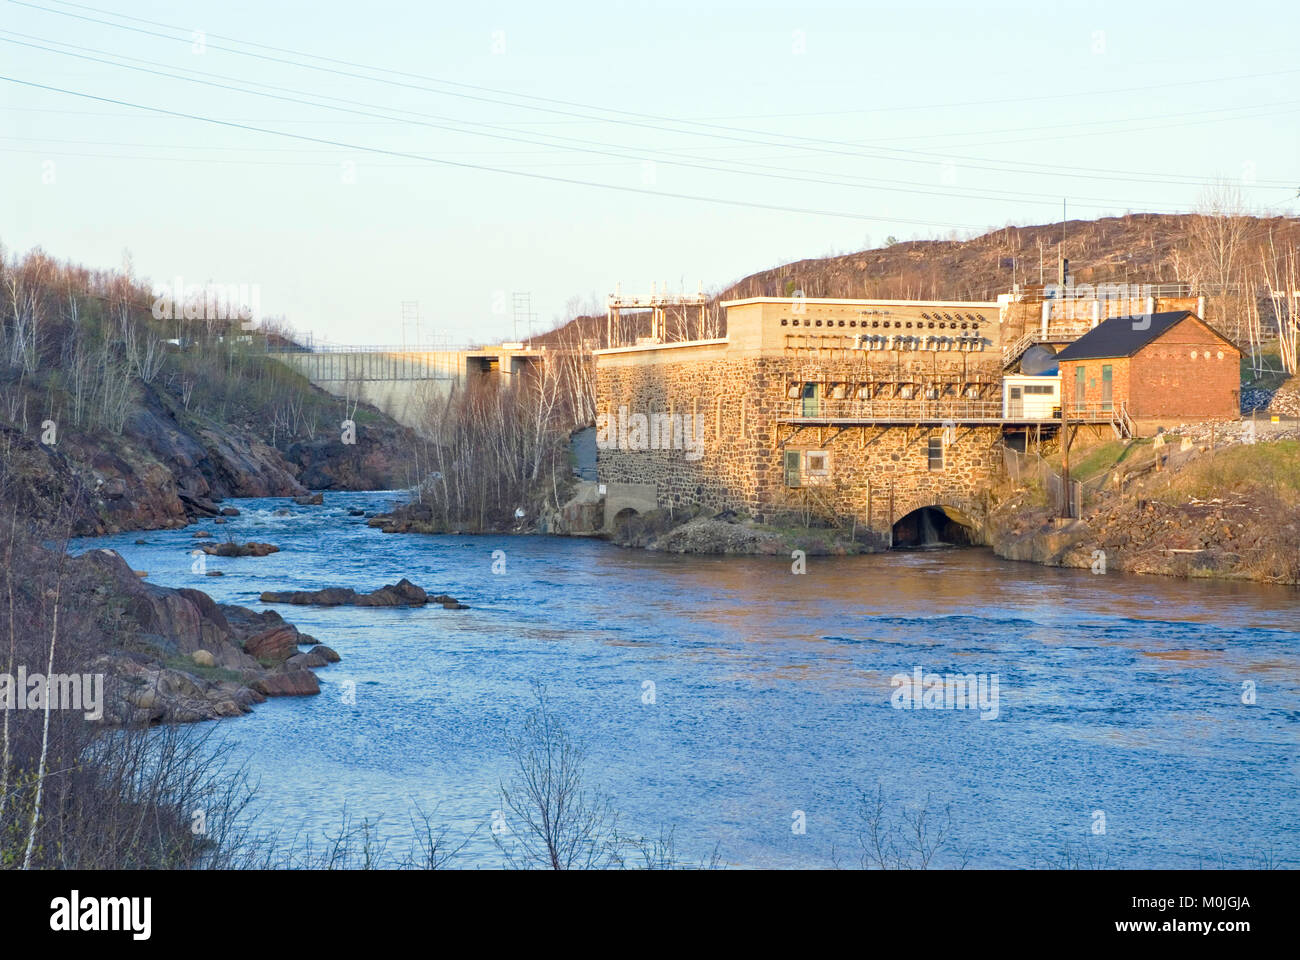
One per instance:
[(895, 409), (1056, 333), (1094, 410), (317, 347), (331, 366), (1097, 411)]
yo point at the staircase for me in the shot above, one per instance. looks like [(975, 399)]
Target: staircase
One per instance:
[(1015, 351), (1121, 423)]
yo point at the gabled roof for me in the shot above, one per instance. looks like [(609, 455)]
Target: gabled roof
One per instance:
[(1125, 336)]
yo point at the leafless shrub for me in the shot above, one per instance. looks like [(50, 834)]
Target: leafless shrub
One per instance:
[(556, 822), (913, 840)]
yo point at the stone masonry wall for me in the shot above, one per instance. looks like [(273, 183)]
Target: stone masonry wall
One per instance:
[(737, 403)]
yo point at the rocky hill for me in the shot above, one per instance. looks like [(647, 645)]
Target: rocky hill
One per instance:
[(111, 419), (1136, 248)]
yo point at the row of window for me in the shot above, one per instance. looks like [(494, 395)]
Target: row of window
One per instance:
[(905, 391), (900, 324)]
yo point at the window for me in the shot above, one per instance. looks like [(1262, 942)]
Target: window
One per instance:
[(1106, 387), (1080, 386), (819, 463), (936, 453), (793, 460)]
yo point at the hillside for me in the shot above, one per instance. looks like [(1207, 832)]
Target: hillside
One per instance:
[(1136, 248), (113, 419)]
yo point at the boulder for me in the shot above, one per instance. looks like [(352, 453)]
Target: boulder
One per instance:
[(401, 594), (310, 500), (203, 658), (449, 603), (317, 656), (287, 683), (279, 643), (231, 549), (230, 511)]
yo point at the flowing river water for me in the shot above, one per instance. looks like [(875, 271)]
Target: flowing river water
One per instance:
[(1120, 698)]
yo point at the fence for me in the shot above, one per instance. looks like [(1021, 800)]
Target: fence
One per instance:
[(901, 410), (371, 364), (1023, 468)]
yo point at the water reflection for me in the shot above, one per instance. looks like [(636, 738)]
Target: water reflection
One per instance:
[(773, 691)]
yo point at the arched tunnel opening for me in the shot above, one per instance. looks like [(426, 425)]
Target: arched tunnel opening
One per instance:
[(933, 527)]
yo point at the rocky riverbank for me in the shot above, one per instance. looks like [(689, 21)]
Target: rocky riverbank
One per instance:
[(727, 533), (175, 655), (168, 467), (1229, 513)]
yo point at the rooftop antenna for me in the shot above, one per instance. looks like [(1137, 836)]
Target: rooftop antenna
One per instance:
[(1062, 265)]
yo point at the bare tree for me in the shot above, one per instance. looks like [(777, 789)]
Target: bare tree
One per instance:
[(45, 728), (554, 821), (911, 843)]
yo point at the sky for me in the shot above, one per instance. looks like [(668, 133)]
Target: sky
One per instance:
[(345, 159)]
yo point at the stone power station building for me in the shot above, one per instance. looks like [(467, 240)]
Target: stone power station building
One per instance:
[(888, 415)]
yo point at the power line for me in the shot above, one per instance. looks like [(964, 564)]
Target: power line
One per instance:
[(1002, 196), (475, 166), (806, 143)]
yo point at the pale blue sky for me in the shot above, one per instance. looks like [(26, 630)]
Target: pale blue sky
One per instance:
[(903, 120)]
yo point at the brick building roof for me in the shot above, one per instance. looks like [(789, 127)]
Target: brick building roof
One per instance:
[(1121, 336), (1125, 336)]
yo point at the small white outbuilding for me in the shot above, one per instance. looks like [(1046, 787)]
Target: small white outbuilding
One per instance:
[(1027, 397)]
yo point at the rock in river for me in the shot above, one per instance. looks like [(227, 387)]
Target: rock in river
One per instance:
[(401, 594)]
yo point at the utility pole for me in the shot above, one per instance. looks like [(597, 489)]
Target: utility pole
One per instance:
[(523, 310), (411, 313), (1061, 269), (1065, 460)]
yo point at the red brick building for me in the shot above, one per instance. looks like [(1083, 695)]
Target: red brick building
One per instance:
[(1160, 370)]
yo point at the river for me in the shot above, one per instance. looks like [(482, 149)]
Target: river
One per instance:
[(1120, 698)]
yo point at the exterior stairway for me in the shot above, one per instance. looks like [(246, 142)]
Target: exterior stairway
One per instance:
[(1121, 423), (1013, 352)]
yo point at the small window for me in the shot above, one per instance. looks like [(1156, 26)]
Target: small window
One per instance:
[(819, 463), (936, 453)]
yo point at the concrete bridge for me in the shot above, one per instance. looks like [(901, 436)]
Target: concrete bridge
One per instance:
[(402, 381)]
